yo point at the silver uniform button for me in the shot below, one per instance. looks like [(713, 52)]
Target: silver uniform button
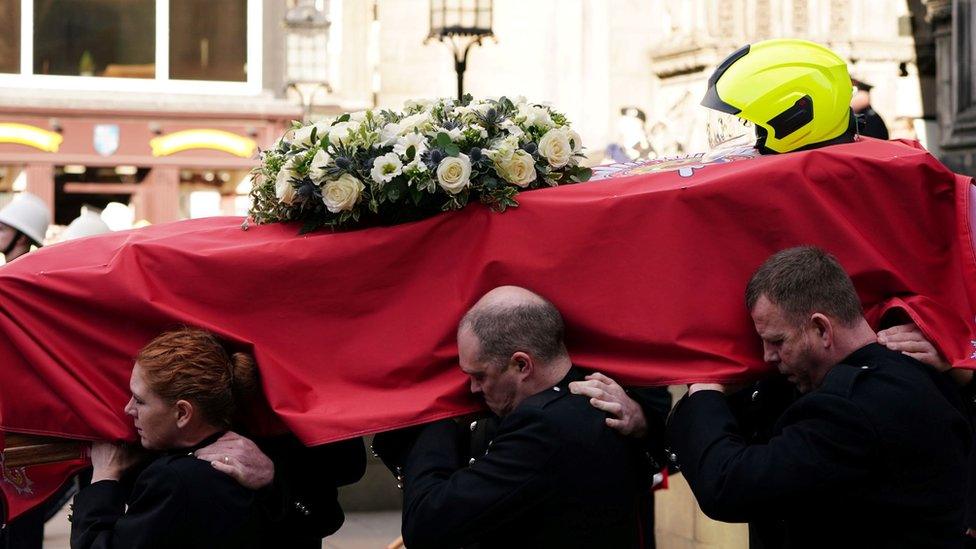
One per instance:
[(755, 396), (471, 461), (555, 388), (673, 456), (474, 424), (864, 367)]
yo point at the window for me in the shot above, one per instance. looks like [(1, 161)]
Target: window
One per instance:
[(113, 38), (208, 40), (183, 46), (10, 37)]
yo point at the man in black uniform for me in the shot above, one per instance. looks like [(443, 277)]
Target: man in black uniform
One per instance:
[(874, 453), (869, 122), (297, 486), (553, 475)]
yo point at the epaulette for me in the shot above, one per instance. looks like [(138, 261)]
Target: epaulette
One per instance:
[(841, 378), (548, 396)]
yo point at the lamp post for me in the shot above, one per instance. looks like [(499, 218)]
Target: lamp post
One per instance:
[(307, 37), (462, 24)]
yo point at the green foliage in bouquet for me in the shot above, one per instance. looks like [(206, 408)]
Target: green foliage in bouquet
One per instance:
[(387, 167)]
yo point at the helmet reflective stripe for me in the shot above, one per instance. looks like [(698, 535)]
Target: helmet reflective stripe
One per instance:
[(28, 214), (796, 92)]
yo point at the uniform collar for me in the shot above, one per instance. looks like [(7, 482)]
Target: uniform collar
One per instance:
[(191, 449), (574, 374), (868, 353)]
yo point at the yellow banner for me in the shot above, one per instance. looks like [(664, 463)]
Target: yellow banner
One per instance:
[(220, 140), (32, 136)]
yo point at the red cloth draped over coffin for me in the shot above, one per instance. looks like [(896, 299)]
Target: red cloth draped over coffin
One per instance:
[(354, 332)]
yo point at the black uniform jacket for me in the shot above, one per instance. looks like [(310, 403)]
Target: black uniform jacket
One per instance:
[(875, 457), (177, 501), (302, 503), (554, 475)]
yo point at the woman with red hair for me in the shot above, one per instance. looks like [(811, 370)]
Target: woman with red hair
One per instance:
[(185, 386)]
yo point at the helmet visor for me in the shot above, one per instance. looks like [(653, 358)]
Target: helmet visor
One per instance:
[(725, 130)]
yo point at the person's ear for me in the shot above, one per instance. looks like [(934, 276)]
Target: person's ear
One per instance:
[(523, 363), (184, 413), (823, 328)]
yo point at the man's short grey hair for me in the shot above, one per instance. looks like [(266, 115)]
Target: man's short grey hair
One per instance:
[(805, 280), (535, 328)]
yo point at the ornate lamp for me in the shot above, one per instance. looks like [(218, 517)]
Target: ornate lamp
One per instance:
[(307, 38), (462, 24)]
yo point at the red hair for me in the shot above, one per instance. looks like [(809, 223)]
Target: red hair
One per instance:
[(192, 364)]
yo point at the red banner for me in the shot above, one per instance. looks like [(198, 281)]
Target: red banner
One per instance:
[(354, 332)]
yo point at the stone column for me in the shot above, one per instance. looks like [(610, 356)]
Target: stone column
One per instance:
[(158, 200), (40, 182)]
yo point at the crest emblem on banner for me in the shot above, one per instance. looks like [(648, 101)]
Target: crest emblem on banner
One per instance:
[(106, 139), (17, 477)]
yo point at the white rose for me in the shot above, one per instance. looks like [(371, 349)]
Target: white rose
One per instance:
[(519, 169), (342, 194), (342, 133), (316, 169), (386, 167), (535, 116), (284, 190), (454, 173), (556, 148)]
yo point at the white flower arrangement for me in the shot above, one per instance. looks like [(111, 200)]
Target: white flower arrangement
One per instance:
[(383, 166)]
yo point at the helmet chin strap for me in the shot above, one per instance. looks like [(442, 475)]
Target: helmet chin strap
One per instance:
[(13, 242)]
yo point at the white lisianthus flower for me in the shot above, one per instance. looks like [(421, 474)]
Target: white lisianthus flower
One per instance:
[(415, 140), (502, 150), (284, 190), (456, 134), (574, 139), (479, 131), (389, 134), (413, 122), (357, 116), (316, 170), (465, 113), (535, 116), (416, 165), (385, 168), (454, 173), (342, 194), (482, 107), (512, 128), (343, 133), (419, 104), (519, 169), (303, 136), (556, 148)]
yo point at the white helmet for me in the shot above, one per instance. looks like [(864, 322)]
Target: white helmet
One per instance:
[(28, 214), (87, 224)]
